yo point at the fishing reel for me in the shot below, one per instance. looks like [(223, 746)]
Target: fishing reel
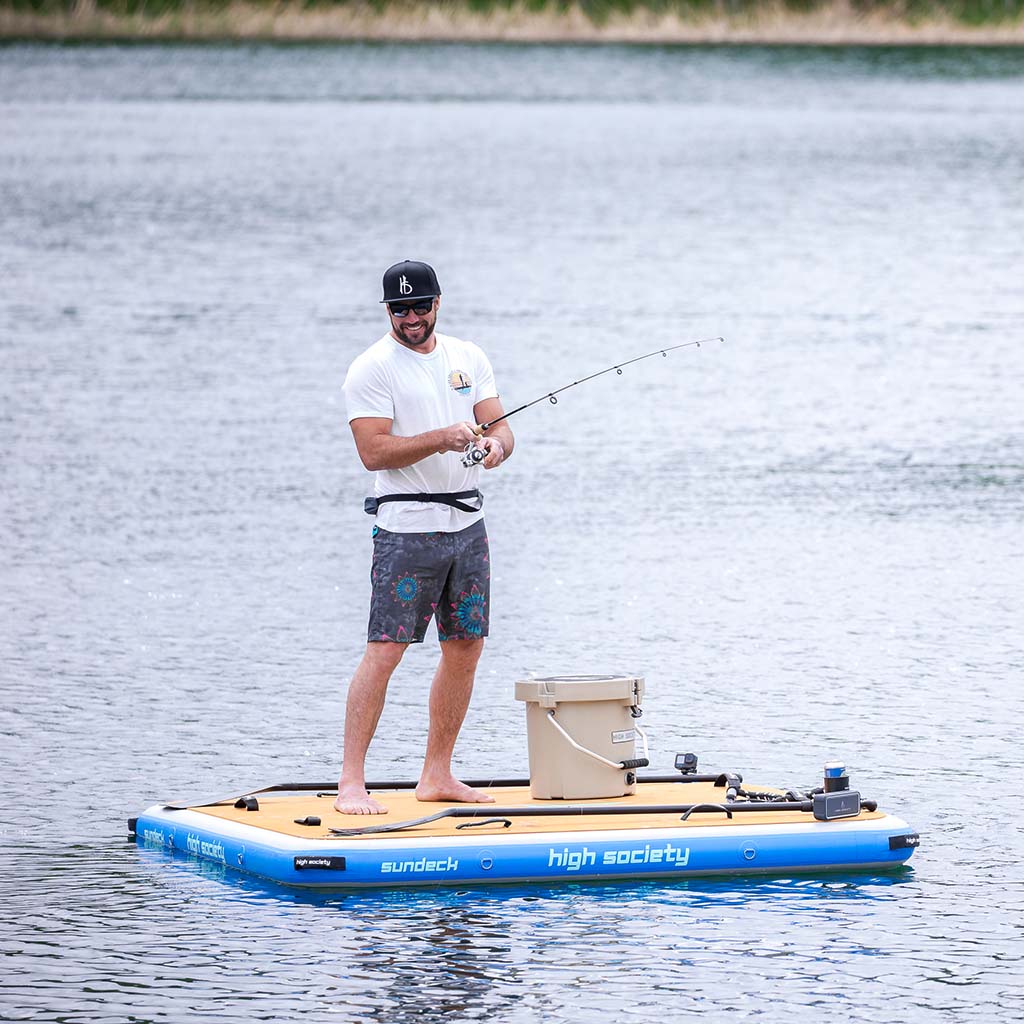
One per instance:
[(473, 456)]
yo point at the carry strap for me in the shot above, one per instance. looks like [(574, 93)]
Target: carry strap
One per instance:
[(370, 505)]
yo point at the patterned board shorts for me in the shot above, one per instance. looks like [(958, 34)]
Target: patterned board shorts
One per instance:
[(420, 576)]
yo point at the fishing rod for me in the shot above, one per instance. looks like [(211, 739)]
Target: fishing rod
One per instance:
[(473, 455)]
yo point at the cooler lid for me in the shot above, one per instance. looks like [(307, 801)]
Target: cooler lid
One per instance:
[(559, 689)]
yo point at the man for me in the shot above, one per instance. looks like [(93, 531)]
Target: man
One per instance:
[(415, 401)]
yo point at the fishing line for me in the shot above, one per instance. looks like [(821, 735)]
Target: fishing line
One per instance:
[(470, 456)]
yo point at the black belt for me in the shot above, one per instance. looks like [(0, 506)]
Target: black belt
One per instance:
[(370, 505)]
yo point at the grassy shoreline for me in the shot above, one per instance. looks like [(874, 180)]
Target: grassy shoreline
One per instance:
[(793, 22)]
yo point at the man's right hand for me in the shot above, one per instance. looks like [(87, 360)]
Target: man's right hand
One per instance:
[(380, 449), (457, 436)]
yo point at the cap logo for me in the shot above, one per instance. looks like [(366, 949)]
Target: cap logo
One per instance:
[(403, 285)]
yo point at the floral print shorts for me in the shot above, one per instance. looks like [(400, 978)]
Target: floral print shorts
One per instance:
[(417, 577)]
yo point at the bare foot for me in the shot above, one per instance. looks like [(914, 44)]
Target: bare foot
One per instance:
[(450, 789), (355, 800)]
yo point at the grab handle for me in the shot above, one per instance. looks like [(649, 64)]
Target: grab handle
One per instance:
[(707, 808)]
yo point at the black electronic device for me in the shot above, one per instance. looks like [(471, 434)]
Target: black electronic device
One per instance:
[(842, 804)]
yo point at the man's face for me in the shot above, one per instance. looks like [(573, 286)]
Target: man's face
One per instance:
[(414, 327)]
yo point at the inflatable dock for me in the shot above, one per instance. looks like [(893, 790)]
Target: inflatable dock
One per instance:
[(584, 813), (683, 827)]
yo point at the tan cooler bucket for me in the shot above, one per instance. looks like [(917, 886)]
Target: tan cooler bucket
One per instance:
[(582, 735)]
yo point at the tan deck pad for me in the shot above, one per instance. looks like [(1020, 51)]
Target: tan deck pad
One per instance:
[(278, 813)]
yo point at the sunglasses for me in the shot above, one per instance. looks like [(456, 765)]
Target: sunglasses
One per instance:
[(421, 307)]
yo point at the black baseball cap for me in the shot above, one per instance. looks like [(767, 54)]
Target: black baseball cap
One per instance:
[(410, 280)]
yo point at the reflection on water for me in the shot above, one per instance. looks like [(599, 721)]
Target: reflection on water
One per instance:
[(430, 73), (806, 539), (194, 929)]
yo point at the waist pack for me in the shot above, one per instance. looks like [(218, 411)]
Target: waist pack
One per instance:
[(455, 499)]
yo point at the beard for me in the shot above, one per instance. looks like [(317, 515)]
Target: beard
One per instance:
[(427, 322)]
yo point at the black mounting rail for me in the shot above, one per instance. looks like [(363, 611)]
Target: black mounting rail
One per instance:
[(404, 784)]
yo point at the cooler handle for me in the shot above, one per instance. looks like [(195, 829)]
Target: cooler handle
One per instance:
[(617, 765)]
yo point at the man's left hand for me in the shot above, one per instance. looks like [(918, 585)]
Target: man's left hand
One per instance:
[(495, 452)]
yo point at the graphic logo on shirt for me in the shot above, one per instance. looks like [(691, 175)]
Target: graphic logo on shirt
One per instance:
[(459, 380), (403, 285)]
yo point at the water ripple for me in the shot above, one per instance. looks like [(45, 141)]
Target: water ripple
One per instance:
[(807, 539)]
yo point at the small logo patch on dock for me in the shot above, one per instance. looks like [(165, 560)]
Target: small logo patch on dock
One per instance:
[(910, 841), (319, 863)]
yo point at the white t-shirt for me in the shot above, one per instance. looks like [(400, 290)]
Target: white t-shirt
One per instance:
[(419, 393)]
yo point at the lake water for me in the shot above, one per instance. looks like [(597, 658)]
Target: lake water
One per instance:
[(808, 539)]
